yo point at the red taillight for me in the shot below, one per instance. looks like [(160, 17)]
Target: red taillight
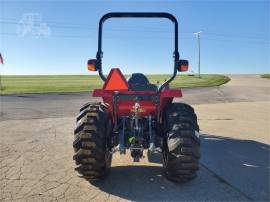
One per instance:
[(183, 68)]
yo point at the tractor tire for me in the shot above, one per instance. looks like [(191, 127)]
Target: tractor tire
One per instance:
[(181, 151), (92, 155)]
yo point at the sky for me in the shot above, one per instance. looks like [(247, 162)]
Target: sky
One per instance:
[(58, 37)]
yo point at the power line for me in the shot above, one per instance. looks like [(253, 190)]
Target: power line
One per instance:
[(69, 24), (137, 36), (151, 29), (224, 37)]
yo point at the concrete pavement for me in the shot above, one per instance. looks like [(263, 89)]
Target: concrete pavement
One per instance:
[(36, 150), (235, 144)]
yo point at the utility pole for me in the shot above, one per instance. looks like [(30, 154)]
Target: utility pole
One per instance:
[(197, 34)]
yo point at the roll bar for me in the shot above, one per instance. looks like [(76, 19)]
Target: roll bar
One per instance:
[(138, 15)]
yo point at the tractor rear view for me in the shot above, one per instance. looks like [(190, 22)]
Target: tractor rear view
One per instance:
[(136, 115)]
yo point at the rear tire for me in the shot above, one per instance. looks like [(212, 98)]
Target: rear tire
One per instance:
[(181, 145), (92, 155)]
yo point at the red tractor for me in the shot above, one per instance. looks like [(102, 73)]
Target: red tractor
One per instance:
[(136, 115)]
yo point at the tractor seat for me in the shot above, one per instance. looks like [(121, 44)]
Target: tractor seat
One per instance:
[(139, 82)]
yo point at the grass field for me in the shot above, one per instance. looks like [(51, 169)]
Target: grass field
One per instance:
[(267, 76), (84, 83)]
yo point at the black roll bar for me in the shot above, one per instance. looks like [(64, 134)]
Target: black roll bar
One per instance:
[(138, 15)]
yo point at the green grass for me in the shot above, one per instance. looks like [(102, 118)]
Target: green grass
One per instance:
[(267, 76), (84, 83)]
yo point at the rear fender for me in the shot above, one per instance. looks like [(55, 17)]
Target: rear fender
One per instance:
[(149, 106)]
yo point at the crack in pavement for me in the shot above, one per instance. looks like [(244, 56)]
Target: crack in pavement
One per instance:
[(40, 168)]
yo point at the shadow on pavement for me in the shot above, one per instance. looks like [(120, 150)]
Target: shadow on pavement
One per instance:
[(242, 163), (233, 170), (147, 183)]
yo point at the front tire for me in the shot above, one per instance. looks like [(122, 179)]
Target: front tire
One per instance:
[(181, 145), (92, 155)]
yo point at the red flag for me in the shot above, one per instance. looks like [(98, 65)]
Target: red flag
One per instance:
[(1, 59)]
